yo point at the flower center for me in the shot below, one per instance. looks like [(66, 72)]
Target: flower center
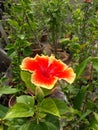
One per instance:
[(44, 72)]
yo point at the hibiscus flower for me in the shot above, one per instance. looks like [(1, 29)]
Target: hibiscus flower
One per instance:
[(45, 70)]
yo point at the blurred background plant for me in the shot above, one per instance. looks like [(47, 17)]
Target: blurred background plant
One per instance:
[(69, 27)]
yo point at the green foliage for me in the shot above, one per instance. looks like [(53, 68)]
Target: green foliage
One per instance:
[(49, 106), (28, 100), (62, 106), (19, 110), (75, 26), (25, 108), (3, 111), (26, 77), (80, 97), (81, 67), (95, 63), (8, 90)]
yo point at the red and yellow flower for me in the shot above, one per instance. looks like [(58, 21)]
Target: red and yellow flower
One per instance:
[(45, 70)]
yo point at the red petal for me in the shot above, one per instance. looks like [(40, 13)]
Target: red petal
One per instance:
[(56, 66), (47, 70), (29, 64), (42, 60), (60, 70), (68, 75), (39, 79)]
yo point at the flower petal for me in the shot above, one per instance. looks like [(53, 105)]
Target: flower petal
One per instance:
[(47, 70), (68, 75), (56, 66), (39, 79), (42, 62), (29, 64)]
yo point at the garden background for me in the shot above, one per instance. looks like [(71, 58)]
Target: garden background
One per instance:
[(66, 30)]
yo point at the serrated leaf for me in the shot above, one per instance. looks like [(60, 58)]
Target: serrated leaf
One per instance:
[(61, 105), (78, 100), (28, 100), (19, 110), (8, 90), (49, 106)]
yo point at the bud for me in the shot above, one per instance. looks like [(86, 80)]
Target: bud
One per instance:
[(39, 94)]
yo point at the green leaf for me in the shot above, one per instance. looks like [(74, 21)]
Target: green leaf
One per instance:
[(41, 126), (95, 63), (53, 120), (84, 115), (78, 100), (26, 77), (64, 41), (27, 51), (46, 91), (19, 110), (13, 23), (8, 90), (16, 123), (94, 123), (3, 111), (49, 106), (94, 59), (1, 127), (81, 67), (61, 105), (96, 116), (25, 126), (28, 100), (39, 93), (38, 126), (51, 126), (95, 127)]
